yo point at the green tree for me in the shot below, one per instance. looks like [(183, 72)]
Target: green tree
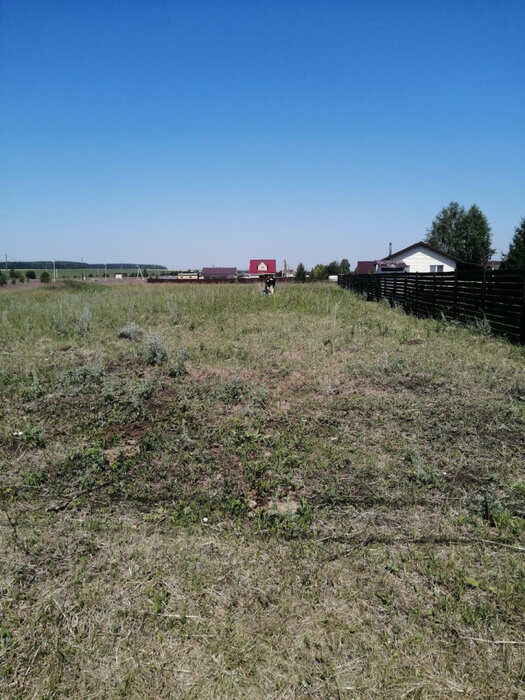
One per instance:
[(300, 273), (3, 279), (464, 234), (333, 268), (345, 266), (45, 277), (30, 275), (319, 272), (477, 237), (515, 258), (12, 273)]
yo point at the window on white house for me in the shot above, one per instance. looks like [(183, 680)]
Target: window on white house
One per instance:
[(436, 268)]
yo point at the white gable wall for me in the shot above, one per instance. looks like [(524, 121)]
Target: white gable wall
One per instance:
[(419, 259)]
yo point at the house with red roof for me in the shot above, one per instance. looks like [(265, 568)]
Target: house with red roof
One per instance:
[(260, 267)]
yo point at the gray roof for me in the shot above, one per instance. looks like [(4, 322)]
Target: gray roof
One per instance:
[(219, 272)]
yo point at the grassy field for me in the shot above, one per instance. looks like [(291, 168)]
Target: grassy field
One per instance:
[(207, 493)]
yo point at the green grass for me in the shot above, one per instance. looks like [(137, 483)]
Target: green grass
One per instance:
[(206, 492)]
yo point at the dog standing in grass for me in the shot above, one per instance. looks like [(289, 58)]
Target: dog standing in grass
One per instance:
[(269, 285)]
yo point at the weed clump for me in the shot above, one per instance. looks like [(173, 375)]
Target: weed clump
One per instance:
[(173, 314), (178, 368), (78, 379), (83, 320), (156, 351), (231, 392), (34, 437), (131, 331)]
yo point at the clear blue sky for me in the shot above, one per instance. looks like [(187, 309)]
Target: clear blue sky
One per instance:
[(198, 132)]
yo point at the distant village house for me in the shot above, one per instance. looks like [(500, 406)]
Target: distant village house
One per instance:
[(219, 273), (262, 268), (188, 275)]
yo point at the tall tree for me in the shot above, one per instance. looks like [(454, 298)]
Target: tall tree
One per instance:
[(464, 234), (333, 268), (345, 266), (515, 258), (477, 237), (300, 273)]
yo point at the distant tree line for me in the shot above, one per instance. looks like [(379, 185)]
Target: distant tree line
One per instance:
[(67, 264), (15, 276), (321, 271)]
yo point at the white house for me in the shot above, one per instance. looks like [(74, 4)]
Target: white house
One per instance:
[(418, 257)]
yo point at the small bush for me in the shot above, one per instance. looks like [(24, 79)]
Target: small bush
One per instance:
[(156, 351), (178, 368), (34, 437), (481, 326), (231, 392), (110, 389), (173, 314), (83, 320), (30, 275), (45, 277), (3, 279), (130, 331)]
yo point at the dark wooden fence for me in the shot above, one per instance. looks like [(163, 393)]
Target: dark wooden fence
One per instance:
[(494, 296), (236, 280)]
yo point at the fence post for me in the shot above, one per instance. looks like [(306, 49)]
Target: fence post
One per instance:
[(417, 291), (394, 292), (456, 293), (434, 298), (483, 289), (522, 319), (405, 300)]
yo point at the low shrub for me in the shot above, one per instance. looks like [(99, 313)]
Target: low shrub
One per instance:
[(156, 351), (131, 331)]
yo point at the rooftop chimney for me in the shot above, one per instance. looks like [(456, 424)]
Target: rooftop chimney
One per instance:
[(389, 249)]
